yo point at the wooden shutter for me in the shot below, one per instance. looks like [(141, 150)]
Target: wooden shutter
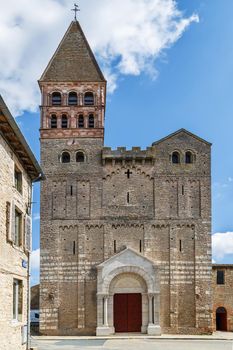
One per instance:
[(28, 232), (12, 224), (8, 221)]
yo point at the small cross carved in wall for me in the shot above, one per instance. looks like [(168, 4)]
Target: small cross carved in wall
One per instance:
[(128, 173)]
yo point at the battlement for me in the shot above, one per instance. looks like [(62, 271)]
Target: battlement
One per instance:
[(122, 154)]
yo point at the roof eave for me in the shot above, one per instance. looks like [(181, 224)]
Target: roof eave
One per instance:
[(13, 125)]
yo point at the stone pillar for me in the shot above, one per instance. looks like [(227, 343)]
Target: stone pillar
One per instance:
[(103, 328), (106, 311), (154, 305)]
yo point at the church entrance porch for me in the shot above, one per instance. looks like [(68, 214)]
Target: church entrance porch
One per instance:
[(127, 312), (128, 296)]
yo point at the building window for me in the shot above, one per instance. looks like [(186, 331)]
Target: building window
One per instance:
[(56, 99), (65, 157), (88, 99), (91, 121), (18, 180), (53, 122), (175, 158), (17, 300), (80, 158), (81, 121), (18, 228), (64, 122), (220, 277), (188, 158), (72, 99)]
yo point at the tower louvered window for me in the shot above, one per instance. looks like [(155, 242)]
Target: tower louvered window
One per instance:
[(91, 121)]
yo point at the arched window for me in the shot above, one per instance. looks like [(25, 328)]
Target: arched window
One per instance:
[(72, 99), (175, 158), (91, 121), (81, 121), (56, 99), (64, 122), (188, 157), (88, 99), (65, 157), (80, 157), (53, 121)]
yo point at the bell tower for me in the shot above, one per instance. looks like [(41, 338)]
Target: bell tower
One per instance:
[(73, 92)]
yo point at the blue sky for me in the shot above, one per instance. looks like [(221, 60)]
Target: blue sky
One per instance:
[(193, 89)]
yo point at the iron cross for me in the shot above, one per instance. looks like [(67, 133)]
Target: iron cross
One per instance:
[(128, 173), (76, 9)]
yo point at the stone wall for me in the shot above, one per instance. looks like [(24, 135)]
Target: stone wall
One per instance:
[(222, 294), (161, 210)]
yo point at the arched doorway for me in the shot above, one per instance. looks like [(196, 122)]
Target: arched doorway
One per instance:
[(128, 291), (128, 281), (221, 319)]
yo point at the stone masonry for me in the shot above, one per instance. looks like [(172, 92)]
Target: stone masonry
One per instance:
[(14, 154), (117, 221), (222, 295)]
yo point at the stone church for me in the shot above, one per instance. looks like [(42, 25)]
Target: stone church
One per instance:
[(125, 234)]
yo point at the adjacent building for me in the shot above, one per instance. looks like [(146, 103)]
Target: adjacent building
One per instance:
[(125, 234), (222, 284), (18, 170)]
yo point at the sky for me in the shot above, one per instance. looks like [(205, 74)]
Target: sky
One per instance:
[(169, 65)]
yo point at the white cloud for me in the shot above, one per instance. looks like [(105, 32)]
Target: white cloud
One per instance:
[(126, 35), (222, 244), (36, 216), (35, 259)]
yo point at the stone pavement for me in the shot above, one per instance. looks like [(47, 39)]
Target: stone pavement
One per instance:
[(218, 341)]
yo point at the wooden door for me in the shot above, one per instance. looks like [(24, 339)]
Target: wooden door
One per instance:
[(127, 312)]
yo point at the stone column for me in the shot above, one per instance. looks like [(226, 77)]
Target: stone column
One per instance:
[(104, 328), (106, 311), (154, 305)]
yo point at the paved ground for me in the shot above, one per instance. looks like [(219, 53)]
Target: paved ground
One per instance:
[(132, 344)]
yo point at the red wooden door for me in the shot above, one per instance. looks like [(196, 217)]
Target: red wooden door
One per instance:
[(127, 312)]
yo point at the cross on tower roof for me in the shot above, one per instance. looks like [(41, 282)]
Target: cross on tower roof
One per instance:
[(76, 9)]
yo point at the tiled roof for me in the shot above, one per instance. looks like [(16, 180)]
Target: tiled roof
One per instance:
[(73, 60)]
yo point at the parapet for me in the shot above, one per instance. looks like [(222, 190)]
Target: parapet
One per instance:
[(122, 154)]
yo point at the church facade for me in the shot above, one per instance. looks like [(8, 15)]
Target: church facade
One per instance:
[(125, 234)]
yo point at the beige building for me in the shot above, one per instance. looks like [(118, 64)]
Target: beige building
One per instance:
[(18, 170), (125, 234)]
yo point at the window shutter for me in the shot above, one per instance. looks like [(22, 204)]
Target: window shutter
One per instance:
[(12, 225), (28, 230), (8, 221)]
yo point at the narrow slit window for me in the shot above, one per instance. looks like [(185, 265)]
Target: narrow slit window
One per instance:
[(180, 245), (114, 246), (182, 190), (74, 247), (140, 246), (128, 197), (71, 190)]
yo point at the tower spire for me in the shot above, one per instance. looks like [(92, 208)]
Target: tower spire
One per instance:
[(76, 9)]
